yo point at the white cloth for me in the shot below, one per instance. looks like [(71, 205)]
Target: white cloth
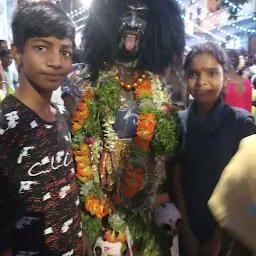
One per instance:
[(56, 97)]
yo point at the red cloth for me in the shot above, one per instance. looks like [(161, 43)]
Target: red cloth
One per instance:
[(239, 95)]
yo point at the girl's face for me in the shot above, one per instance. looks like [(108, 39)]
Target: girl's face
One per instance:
[(205, 78)]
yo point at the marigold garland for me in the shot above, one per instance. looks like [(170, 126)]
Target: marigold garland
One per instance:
[(96, 111), (132, 179)]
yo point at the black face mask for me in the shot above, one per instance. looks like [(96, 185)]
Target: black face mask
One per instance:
[(132, 29)]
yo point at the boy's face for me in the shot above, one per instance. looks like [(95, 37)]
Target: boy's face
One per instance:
[(45, 61), (6, 60)]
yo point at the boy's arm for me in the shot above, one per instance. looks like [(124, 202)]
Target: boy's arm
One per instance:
[(10, 203), (10, 206)]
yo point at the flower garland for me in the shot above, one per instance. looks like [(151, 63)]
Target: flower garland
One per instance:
[(93, 134)]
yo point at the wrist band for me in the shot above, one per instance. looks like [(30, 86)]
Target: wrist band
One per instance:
[(3, 82)]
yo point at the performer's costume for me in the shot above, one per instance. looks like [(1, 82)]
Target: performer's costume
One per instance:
[(124, 131)]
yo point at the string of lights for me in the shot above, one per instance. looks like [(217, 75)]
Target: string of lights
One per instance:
[(214, 15), (204, 31)]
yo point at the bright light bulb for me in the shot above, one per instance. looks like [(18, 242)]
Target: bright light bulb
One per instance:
[(86, 3)]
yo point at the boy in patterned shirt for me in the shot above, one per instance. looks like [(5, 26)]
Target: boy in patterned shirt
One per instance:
[(40, 212)]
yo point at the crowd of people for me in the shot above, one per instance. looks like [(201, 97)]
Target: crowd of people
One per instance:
[(124, 168)]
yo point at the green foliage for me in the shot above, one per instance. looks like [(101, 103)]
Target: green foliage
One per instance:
[(91, 226), (92, 126), (144, 238), (164, 139), (108, 97)]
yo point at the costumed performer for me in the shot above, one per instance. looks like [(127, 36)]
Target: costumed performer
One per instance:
[(124, 124)]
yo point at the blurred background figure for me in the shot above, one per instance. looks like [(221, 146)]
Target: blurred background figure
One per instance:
[(3, 45), (11, 74), (238, 92)]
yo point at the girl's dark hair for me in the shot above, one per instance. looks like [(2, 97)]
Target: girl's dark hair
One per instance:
[(162, 45), (40, 19), (208, 48)]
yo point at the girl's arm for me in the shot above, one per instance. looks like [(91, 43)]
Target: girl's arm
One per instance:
[(189, 241), (178, 192)]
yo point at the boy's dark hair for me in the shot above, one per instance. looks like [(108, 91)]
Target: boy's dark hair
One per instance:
[(40, 19), (208, 48), (233, 57), (4, 52)]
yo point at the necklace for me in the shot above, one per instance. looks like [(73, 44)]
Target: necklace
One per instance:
[(136, 81), (128, 64)]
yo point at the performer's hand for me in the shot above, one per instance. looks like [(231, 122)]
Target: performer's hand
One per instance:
[(7, 253), (189, 241), (213, 246), (87, 245)]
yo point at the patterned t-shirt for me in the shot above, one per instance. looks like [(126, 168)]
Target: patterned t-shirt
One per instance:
[(38, 191)]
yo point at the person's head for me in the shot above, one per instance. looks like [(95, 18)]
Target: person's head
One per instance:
[(233, 58), (6, 58), (43, 42), (125, 30), (205, 67), (3, 45)]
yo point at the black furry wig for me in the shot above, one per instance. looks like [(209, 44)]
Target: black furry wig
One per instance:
[(161, 47)]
